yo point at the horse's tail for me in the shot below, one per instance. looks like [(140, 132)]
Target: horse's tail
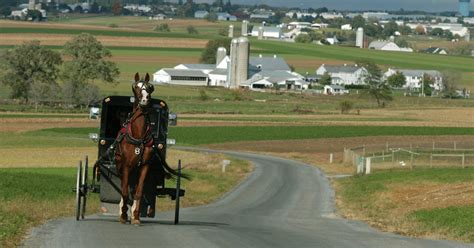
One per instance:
[(168, 169)]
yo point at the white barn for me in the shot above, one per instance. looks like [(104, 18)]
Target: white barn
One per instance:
[(388, 46), (268, 32), (344, 74)]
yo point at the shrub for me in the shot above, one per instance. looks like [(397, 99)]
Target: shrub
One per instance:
[(203, 95), (164, 27), (192, 30), (346, 106)]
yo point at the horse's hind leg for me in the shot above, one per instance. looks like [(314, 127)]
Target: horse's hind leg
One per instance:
[(123, 208), (138, 195)]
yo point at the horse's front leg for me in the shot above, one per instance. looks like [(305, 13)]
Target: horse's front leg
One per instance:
[(123, 207), (138, 195)]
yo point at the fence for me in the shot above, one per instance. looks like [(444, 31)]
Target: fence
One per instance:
[(392, 155)]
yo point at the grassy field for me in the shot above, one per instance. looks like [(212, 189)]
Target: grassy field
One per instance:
[(419, 202), (31, 196)]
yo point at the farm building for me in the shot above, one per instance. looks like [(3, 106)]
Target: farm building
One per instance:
[(268, 32), (343, 74), (385, 45), (201, 14), (299, 25), (436, 50), (262, 72), (346, 27), (414, 78), (224, 16), (332, 90)]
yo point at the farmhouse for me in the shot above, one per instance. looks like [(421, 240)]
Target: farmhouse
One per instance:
[(334, 90), (269, 32), (385, 45), (414, 78), (344, 74)]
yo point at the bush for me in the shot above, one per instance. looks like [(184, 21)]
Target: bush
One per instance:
[(113, 25), (346, 106), (203, 95), (164, 27), (303, 38), (192, 30)]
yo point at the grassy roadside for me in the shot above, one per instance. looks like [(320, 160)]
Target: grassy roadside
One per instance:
[(432, 203), (30, 196)]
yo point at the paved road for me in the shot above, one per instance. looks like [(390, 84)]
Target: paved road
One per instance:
[(282, 204)]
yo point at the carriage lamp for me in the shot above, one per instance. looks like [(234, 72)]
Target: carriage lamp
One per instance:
[(172, 119), (94, 136), (170, 142)]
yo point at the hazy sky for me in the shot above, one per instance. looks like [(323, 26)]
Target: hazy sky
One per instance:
[(429, 5)]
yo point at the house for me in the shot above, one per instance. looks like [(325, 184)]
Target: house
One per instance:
[(331, 16), (138, 8), (332, 90), (436, 50), (385, 45), (224, 16), (414, 78), (299, 25), (181, 77), (319, 25), (201, 14), (268, 32), (344, 74), (346, 27), (281, 79)]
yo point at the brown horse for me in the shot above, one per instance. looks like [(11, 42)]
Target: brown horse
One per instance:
[(135, 151)]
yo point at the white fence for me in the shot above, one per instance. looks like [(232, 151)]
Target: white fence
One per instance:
[(433, 154)]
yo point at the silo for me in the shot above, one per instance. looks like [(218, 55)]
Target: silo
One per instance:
[(245, 27), (360, 38), (239, 62), (467, 37), (221, 53), (260, 33), (242, 60), (232, 78), (231, 31)]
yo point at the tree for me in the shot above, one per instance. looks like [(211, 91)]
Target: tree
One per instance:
[(303, 38), (163, 27), (426, 84), (325, 79), (464, 48), (346, 106), (405, 30), (402, 43), (212, 17), (358, 22), (29, 65), (420, 30), (397, 80), (377, 88), (192, 30), (390, 28), (88, 63), (117, 8), (437, 32), (208, 56), (450, 81), (95, 8)]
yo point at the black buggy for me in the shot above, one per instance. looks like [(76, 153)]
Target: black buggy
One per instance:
[(105, 180)]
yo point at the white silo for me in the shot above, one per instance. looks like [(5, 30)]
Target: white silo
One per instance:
[(245, 27), (231, 31), (260, 33), (221, 53), (239, 62), (360, 38)]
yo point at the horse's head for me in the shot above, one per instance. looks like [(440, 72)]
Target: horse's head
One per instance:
[(142, 90)]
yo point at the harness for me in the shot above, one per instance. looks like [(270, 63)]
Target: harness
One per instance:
[(140, 143)]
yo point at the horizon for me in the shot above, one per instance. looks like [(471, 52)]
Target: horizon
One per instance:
[(408, 5)]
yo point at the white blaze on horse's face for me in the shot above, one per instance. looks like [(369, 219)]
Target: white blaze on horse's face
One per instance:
[(145, 96)]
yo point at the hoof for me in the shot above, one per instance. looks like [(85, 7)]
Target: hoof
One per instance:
[(123, 219), (136, 222)]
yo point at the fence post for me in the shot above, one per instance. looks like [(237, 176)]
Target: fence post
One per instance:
[(455, 145), (411, 160), (383, 155), (330, 158), (431, 160), (463, 160), (367, 166)]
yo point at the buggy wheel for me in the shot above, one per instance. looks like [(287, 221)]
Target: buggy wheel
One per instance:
[(78, 190), (84, 188), (178, 189)]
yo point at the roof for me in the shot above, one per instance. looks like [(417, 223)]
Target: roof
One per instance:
[(271, 29), (419, 73), (200, 66), (269, 63), (185, 73), (379, 44), (219, 71), (278, 75), (341, 68), (434, 50)]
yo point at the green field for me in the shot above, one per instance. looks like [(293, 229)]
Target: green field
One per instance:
[(361, 193), (78, 137)]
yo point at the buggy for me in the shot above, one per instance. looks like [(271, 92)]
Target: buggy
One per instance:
[(105, 179)]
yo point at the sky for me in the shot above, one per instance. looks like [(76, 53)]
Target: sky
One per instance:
[(427, 5)]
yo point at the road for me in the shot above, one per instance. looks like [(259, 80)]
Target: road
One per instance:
[(283, 203)]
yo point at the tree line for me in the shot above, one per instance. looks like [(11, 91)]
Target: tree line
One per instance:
[(37, 74)]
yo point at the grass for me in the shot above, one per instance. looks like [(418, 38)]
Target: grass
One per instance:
[(371, 198), (57, 137), (456, 220), (31, 196)]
